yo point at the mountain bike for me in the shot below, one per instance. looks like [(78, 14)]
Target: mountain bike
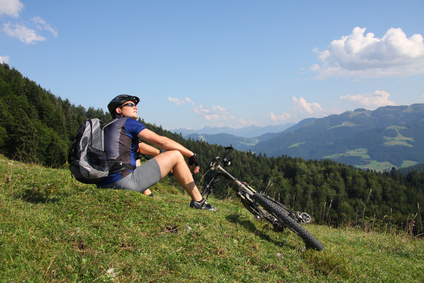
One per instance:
[(261, 205)]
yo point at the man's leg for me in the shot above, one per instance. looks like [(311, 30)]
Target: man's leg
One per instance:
[(147, 192), (173, 159)]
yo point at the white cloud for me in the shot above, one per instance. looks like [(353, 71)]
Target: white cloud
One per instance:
[(369, 100), (4, 59), (301, 106), (23, 33), (214, 113), (210, 110), (27, 33), (367, 56), (301, 109), (278, 118), (10, 7), (179, 101), (42, 25)]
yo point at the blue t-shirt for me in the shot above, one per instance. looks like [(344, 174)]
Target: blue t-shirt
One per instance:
[(120, 140)]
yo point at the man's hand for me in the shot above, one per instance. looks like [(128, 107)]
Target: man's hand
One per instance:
[(193, 160)]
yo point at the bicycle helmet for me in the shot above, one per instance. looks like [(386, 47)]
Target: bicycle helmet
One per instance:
[(119, 100)]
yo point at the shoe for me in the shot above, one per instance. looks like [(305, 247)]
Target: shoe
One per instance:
[(203, 204)]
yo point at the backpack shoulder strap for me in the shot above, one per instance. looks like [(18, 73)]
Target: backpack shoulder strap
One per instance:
[(110, 123)]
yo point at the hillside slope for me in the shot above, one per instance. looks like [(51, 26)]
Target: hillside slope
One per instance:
[(391, 136), (54, 229)]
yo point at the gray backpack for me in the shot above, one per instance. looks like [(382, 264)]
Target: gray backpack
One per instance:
[(87, 159)]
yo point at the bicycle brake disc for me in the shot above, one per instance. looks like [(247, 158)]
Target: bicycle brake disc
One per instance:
[(306, 218)]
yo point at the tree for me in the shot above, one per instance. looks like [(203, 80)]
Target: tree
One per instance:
[(25, 139)]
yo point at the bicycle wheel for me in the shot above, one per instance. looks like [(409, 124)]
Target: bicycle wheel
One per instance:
[(279, 211)]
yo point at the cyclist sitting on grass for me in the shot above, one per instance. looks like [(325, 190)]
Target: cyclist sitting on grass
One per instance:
[(121, 139)]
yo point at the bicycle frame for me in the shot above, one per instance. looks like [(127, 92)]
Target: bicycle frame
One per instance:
[(262, 206), (244, 190), (216, 165)]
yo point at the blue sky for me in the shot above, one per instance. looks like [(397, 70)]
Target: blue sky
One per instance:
[(232, 63)]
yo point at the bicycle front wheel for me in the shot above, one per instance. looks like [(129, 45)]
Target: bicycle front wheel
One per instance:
[(283, 215)]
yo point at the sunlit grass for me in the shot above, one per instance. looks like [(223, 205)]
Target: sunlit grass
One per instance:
[(54, 229)]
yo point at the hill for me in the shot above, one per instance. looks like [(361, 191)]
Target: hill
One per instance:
[(391, 136), (54, 229), (247, 132), (36, 127), (239, 143), (244, 142), (405, 171)]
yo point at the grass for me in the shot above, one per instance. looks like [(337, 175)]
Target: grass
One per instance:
[(296, 144), (399, 139), (378, 166), (54, 229), (363, 154), (407, 163)]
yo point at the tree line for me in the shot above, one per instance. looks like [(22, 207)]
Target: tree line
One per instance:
[(37, 127)]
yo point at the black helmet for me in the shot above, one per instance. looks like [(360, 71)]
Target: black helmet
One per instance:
[(119, 100)]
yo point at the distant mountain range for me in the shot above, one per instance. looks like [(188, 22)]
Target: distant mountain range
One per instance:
[(391, 136), (247, 132)]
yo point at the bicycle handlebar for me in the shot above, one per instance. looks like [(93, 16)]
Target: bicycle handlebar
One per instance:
[(230, 150), (225, 161)]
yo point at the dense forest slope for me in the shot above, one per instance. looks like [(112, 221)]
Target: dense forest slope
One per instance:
[(36, 127), (391, 136)]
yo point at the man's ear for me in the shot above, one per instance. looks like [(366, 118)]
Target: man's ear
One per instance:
[(118, 110)]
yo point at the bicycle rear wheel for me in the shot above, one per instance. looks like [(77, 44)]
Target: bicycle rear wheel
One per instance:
[(283, 214)]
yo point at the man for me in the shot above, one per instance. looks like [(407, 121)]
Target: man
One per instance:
[(121, 141)]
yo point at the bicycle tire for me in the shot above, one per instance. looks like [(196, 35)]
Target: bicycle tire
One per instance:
[(272, 207)]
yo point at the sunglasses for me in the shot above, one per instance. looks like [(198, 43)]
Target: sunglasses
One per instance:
[(128, 104)]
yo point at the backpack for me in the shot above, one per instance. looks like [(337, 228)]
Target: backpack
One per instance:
[(87, 159)]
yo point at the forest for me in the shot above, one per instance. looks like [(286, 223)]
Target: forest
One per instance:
[(37, 127)]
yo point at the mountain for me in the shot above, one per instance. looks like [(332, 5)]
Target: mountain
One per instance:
[(391, 136), (406, 170), (299, 125), (247, 132), (239, 143), (220, 136)]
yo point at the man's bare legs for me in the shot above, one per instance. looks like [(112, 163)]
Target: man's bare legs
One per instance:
[(174, 160)]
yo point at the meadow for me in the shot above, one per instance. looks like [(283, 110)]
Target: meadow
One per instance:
[(54, 229)]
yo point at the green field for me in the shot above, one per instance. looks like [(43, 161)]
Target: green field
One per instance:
[(54, 229)]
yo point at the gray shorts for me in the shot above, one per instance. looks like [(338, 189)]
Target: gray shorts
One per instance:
[(143, 177)]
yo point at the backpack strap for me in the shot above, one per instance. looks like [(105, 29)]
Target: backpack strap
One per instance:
[(109, 123)]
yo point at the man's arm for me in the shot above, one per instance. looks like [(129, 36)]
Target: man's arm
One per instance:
[(163, 142), (148, 149)]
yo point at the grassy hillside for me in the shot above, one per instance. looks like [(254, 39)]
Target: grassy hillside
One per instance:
[(54, 229)]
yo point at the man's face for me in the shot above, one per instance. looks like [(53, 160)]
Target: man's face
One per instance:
[(128, 109)]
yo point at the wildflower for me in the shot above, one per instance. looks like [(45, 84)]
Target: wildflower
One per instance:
[(111, 273)]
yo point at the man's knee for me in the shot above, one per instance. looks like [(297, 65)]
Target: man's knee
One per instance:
[(175, 154)]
